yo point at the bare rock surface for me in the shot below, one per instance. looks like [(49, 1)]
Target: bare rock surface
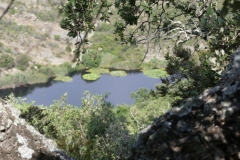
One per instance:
[(20, 141), (206, 127)]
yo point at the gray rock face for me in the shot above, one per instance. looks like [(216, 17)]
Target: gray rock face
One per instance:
[(206, 127), (20, 141)]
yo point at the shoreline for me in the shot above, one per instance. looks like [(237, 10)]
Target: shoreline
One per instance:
[(48, 79)]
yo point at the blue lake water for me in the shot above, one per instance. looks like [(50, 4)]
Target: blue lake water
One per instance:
[(119, 88)]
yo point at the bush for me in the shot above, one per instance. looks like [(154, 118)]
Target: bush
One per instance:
[(91, 59), (48, 71), (22, 61), (7, 61), (68, 49), (57, 37), (92, 131), (182, 52)]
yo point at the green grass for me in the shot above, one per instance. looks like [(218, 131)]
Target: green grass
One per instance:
[(118, 73), (155, 73), (63, 79), (91, 76), (98, 70), (42, 75)]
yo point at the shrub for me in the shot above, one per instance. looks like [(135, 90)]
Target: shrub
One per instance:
[(68, 49), (22, 61), (91, 59), (57, 37), (182, 52), (12, 11), (92, 131), (7, 61), (48, 71)]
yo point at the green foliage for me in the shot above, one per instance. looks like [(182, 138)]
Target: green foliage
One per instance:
[(91, 59), (98, 70), (12, 11), (63, 79), (68, 49), (41, 75), (153, 64), (80, 15), (8, 50), (182, 52), (230, 6), (22, 61), (114, 54), (57, 37), (7, 61), (93, 131), (198, 72), (14, 81), (48, 71), (155, 73), (149, 105), (118, 73), (225, 36), (91, 76), (218, 61)]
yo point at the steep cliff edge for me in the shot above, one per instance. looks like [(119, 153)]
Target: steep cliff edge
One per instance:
[(20, 141), (205, 127)]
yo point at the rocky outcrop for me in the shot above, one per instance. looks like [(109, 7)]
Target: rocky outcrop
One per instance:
[(206, 127), (20, 141)]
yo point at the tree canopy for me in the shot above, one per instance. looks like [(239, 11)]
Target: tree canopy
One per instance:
[(149, 21)]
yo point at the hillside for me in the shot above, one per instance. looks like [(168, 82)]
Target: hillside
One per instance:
[(31, 28), (34, 48)]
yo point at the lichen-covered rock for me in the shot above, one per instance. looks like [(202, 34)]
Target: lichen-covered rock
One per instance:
[(20, 141), (206, 127)]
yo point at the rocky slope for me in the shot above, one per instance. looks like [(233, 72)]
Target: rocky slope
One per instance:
[(31, 27), (206, 127), (20, 141)]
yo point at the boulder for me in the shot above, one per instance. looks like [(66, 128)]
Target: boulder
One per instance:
[(20, 141), (206, 127)]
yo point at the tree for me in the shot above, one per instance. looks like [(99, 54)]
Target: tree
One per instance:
[(79, 17), (154, 20), (179, 20)]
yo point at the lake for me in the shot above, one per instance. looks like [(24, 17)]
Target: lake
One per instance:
[(119, 88)]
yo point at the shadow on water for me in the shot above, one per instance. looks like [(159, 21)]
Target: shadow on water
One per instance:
[(25, 90)]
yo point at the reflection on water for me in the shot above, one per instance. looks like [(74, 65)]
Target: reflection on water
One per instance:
[(120, 89)]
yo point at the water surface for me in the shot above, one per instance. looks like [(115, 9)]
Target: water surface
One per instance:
[(120, 89)]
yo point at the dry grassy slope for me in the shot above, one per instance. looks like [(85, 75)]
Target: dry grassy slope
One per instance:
[(40, 44)]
